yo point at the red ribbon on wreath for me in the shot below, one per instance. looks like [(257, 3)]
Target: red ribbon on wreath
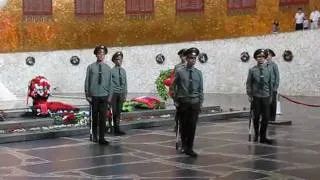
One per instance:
[(169, 81)]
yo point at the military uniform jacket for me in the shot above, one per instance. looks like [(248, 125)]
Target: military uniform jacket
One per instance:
[(119, 80), (275, 75), (181, 83), (178, 66), (259, 81), (92, 86)]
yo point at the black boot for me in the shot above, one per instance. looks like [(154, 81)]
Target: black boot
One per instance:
[(265, 141), (94, 137), (103, 142), (191, 153), (119, 133)]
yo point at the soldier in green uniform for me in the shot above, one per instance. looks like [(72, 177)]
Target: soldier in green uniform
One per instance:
[(182, 57), (177, 67), (259, 90), (98, 93), (275, 83), (188, 97), (119, 80)]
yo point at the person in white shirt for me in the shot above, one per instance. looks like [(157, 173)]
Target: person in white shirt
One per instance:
[(299, 17), (314, 18), (275, 27), (305, 24)]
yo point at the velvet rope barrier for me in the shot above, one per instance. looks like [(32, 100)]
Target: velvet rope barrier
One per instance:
[(297, 102)]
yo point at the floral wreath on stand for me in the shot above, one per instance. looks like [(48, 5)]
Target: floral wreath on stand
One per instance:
[(39, 90), (163, 83)]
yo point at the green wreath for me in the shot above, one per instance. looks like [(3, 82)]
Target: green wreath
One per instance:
[(161, 88)]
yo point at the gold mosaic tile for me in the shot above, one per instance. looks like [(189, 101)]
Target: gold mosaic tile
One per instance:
[(65, 31)]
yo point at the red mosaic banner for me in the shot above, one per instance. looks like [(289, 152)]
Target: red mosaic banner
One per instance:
[(89, 7), (241, 4), (37, 7), (139, 6), (189, 5)]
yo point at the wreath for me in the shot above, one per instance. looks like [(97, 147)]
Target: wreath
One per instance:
[(160, 59), (203, 58), (287, 55), (39, 88), (162, 90), (30, 61), (74, 60), (244, 56)]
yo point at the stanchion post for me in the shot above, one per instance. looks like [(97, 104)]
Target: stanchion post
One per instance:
[(278, 112)]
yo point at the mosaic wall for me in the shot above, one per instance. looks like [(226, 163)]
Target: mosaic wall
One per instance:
[(65, 31)]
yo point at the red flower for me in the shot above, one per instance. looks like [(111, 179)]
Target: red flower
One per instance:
[(69, 118)]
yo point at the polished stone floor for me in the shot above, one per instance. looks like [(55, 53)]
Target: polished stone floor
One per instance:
[(223, 147)]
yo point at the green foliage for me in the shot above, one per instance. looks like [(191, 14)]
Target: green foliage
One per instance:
[(128, 106), (57, 120), (161, 88)]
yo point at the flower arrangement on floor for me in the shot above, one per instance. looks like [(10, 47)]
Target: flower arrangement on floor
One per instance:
[(64, 117), (143, 102), (163, 83), (60, 120), (39, 90)]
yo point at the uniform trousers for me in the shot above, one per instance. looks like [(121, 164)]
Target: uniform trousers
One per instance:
[(273, 107), (117, 102), (261, 107), (189, 115), (99, 116)]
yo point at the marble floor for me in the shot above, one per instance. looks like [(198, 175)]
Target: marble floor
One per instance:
[(224, 153)]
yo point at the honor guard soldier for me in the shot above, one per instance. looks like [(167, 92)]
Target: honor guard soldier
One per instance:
[(188, 98), (182, 60), (98, 92), (181, 64), (275, 83), (119, 81), (259, 90)]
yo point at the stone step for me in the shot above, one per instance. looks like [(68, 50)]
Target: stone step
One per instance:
[(160, 112), (143, 123), (27, 122), (27, 112)]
